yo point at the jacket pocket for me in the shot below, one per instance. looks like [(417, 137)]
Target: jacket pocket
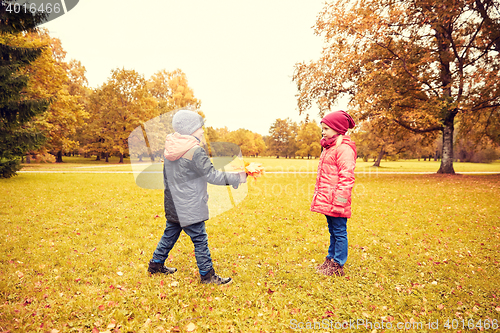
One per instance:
[(340, 201)]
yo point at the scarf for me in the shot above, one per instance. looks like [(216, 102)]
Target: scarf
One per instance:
[(327, 143)]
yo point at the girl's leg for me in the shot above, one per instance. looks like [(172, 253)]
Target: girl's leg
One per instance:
[(331, 248), (338, 239), (167, 241)]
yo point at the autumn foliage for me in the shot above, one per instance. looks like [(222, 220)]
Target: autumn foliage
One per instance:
[(424, 66)]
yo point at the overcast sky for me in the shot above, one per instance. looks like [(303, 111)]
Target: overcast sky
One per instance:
[(238, 55)]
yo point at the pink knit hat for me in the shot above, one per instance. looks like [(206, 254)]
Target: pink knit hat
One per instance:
[(340, 121)]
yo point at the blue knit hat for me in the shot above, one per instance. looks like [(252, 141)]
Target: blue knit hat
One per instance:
[(186, 122)]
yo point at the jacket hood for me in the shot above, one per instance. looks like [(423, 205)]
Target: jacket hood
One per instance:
[(176, 145), (347, 140)]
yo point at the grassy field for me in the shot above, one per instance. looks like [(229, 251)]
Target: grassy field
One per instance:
[(274, 165), (423, 250)]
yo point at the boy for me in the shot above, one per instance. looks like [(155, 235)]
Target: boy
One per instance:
[(187, 170)]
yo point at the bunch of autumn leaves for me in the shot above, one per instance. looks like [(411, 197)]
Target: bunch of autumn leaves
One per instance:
[(254, 170)]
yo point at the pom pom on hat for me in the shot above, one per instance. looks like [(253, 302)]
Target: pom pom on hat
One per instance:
[(340, 121), (186, 122)]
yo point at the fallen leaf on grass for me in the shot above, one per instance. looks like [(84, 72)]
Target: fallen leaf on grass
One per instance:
[(190, 327)]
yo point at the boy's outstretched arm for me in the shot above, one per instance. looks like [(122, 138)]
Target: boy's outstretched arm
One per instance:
[(204, 167)]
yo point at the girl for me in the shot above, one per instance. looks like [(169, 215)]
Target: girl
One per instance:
[(334, 182)]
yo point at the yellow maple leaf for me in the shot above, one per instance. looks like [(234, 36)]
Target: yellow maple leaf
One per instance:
[(190, 327)]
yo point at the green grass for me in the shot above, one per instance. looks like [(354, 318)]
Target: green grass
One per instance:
[(272, 164), (78, 162), (75, 249), (311, 165)]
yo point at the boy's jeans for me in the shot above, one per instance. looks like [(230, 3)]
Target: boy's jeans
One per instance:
[(338, 239), (198, 236)]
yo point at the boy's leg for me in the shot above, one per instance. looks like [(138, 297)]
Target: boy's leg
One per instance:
[(167, 242), (338, 239), (199, 237)]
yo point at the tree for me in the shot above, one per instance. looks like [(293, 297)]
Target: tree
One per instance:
[(380, 138), (116, 109), (171, 91), (422, 64), (292, 145), (52, 78), (251, 144), (308, 140), (280, 135), (16, 110)]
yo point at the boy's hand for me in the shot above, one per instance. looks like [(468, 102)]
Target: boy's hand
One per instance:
[(243, 177)]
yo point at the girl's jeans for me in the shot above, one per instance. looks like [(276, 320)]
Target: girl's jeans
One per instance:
[(198, 236), (338, 239)]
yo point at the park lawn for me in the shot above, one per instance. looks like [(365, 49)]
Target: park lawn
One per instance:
[(311, 165), (75, 247), (271, 164), (79, 163)]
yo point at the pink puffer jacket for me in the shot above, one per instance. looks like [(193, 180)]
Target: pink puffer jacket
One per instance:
[(335, 180)]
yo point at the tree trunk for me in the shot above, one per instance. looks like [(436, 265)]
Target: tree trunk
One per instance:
[(446, 80), (447, 156), (107, 157), (121, 158), (28, 159), (59, 157), (379, 158), (98, 157)]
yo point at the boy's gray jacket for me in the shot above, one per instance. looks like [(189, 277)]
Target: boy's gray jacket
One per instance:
[(186, 172)]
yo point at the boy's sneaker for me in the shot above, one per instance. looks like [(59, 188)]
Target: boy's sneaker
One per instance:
[(156, 267), (211, 277)]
